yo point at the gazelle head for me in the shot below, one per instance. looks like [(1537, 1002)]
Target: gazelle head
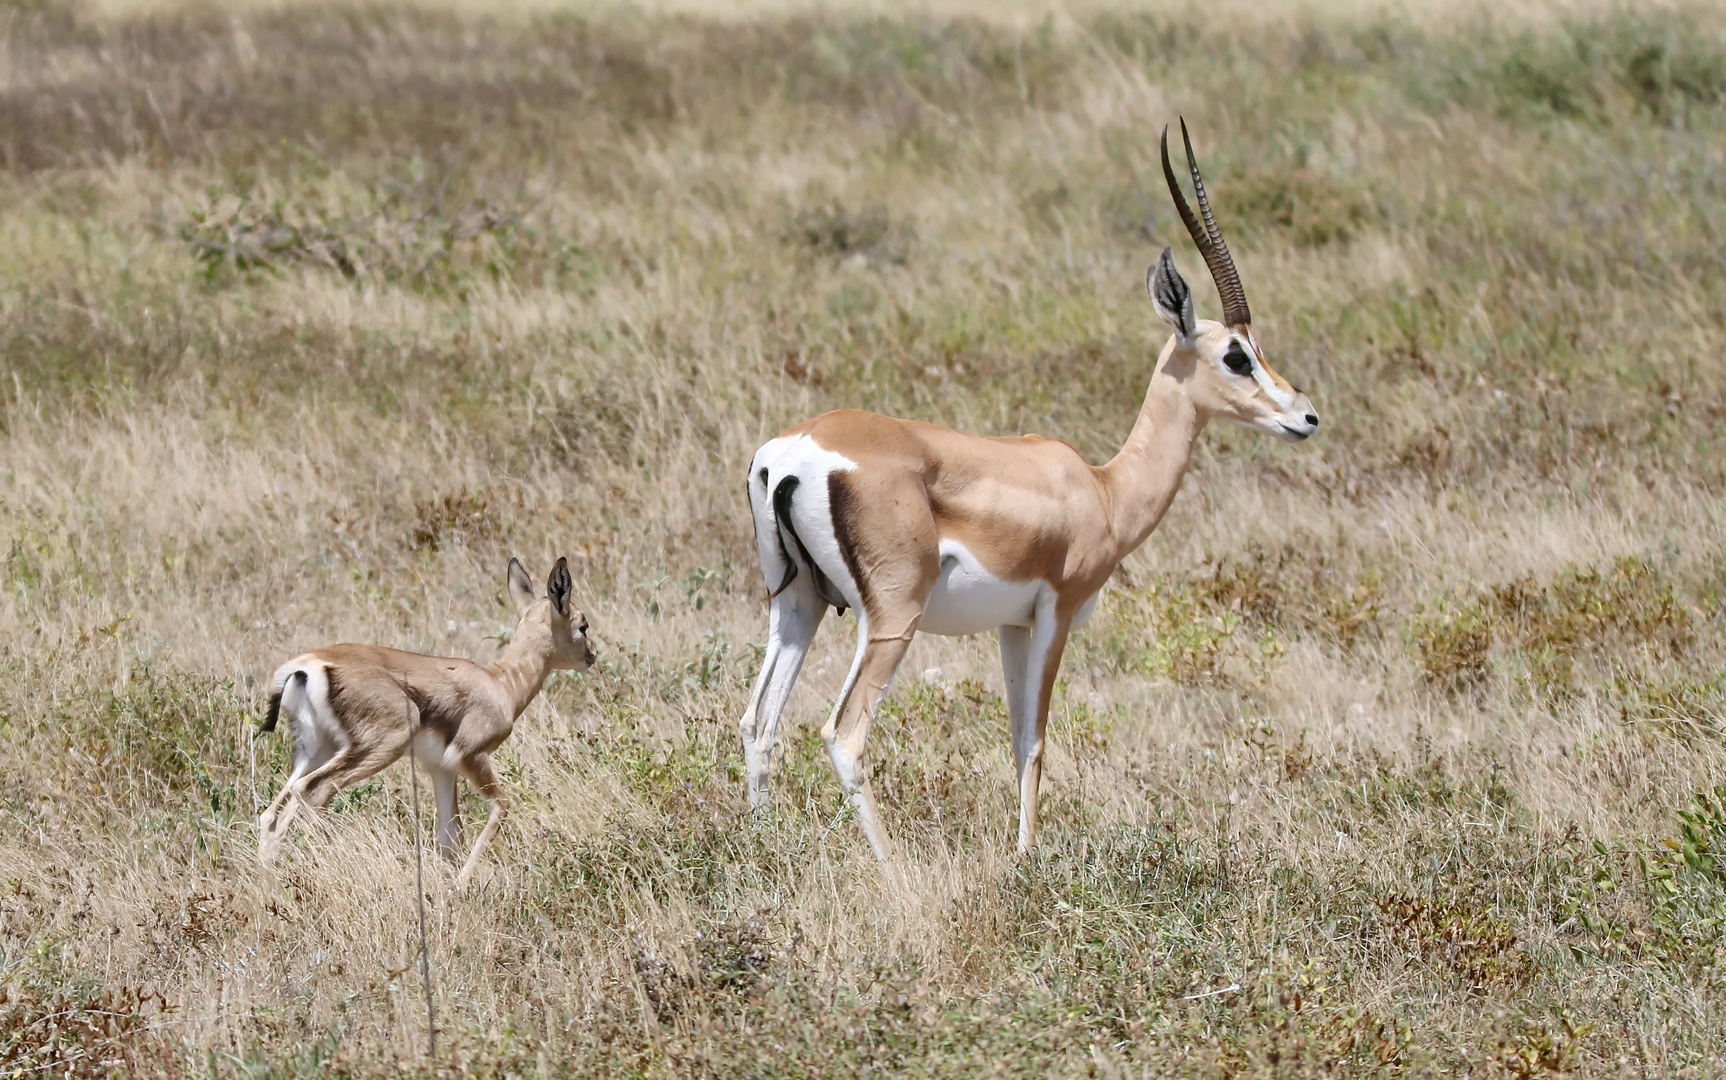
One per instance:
[(552, 616), (1221, 363)]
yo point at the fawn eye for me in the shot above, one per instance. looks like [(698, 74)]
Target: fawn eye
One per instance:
[(1237, 361)]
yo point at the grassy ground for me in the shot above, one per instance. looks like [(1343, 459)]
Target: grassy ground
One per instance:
[(1399, 750)]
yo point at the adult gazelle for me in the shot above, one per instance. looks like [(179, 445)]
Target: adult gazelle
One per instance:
[(919, 527)]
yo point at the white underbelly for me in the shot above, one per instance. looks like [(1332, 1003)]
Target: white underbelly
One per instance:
[(431, 750), (970, 600)]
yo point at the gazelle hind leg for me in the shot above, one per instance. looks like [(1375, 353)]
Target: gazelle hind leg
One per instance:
[(825, 517), (847, 730), (349, 765), (267, 821), (795, 616), (272, 825), (296, 794), (311, 752)]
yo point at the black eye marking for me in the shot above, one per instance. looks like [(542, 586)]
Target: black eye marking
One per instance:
[(1237, 360)]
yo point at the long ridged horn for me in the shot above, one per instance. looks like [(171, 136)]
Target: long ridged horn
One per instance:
[(1206, 236)]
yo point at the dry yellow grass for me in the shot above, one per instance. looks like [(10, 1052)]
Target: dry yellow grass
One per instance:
[(1412, 734)]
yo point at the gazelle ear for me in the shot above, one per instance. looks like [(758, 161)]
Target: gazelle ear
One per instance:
[(520, 585), (557, 587), (1170, 295)]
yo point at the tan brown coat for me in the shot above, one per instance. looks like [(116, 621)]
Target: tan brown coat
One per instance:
[(921, 527), (354, 709)]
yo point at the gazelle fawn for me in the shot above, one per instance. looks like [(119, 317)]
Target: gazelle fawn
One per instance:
[(354, 709), (919, 527)]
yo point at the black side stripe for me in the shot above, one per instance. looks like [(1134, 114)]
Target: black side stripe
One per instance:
[(842, 506)]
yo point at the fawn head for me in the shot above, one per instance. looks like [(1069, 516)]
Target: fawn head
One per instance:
[(561, 623)]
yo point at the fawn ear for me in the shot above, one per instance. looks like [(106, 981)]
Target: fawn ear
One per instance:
[(557, 587), (520, 585)]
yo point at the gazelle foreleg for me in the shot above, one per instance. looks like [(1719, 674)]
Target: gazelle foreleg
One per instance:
[(795, 615), (1030, 659), (479, 771), (1015, 668), (448, 817), (428, 751)]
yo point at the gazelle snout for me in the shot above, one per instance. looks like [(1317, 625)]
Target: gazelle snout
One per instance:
[(574, 651), (1298, 422)]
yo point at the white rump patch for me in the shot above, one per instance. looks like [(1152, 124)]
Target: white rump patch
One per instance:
[(317, 734), (970, 600), (812, 515)]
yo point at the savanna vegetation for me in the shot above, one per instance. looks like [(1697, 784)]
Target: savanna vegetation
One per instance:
[(1397, 751)]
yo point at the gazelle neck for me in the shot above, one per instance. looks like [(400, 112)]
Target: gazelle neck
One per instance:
[(1142, 479), (524, 665)]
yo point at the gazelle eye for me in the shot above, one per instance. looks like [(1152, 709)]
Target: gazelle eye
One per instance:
[(1238, 361)]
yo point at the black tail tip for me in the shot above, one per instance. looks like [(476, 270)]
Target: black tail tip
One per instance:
[(275, 709)]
